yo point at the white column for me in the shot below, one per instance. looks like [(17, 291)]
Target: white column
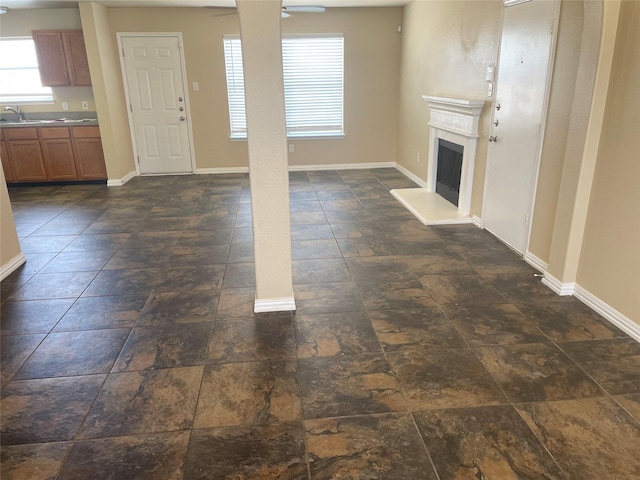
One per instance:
[(268, 162)]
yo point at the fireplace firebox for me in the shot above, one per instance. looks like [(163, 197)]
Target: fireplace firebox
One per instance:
[(449, 170)]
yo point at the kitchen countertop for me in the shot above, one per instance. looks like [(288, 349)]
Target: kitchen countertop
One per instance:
[(52, 119)]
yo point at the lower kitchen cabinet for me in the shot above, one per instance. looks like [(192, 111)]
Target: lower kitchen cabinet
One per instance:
[(57, 153), (87, 148), (25, 155)]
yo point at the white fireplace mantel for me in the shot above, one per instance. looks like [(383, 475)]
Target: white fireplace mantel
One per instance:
[(455, 120)]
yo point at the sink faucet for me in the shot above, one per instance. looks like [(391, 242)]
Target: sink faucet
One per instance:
[(17, 111)]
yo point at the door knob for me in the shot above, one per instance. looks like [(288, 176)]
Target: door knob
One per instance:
[(493, 138), (179, 99), (497, 106), (182, 119)]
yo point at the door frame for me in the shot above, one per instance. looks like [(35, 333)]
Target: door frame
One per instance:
[(183, 68), (543, 122)]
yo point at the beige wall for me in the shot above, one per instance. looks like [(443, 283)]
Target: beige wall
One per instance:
[(372, 62), (610, 257), (20, 22), (446, 47), (9, 245)]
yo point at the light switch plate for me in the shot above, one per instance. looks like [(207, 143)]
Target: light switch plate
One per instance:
[(65, 106), (85, 105), (196, 87)]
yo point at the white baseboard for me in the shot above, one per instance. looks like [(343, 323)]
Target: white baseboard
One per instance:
[(118, 182), (536, 262), (12, 265), (477, 221), (286, 304), (341, 166), (562, 289), (611, 314), (221, 170), (411, 176)]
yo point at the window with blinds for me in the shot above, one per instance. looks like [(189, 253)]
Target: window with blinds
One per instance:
[(313, 68)]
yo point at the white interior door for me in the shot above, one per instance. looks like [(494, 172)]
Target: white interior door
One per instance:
[(156, 90), (520, 103)]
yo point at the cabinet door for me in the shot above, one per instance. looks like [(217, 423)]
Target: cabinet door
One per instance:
[(51, 58), (89, 158), (58, 159), (76, 55), (26, 161), (6, 163)]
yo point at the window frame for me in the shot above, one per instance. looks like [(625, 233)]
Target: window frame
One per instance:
[(235, 111), (31, 98)]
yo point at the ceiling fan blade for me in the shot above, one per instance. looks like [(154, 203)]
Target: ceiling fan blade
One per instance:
[(304, 9)]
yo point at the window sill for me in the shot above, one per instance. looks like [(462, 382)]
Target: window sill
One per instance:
[(298, 137)]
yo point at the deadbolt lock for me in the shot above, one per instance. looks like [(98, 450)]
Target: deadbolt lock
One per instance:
[(496, 123), (497, 106)]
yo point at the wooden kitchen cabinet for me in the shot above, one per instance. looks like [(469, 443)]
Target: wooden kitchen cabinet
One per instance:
[(89, 156), (25, 155), (57, 152), (62, 57), (4, 156)]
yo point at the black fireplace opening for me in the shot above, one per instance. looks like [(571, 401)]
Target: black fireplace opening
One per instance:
[(449, 170)]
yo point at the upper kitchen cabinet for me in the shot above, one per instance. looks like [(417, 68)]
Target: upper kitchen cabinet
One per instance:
[(62, 58)]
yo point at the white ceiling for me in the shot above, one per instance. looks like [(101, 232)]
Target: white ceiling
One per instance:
[(17, 4)]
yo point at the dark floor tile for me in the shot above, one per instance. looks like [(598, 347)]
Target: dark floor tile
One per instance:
[(164, 308), (74, 353), (381, 270), (40, 461), (415, 244), (522, 287), (536, 372), (241, 252), (311, 232), (203, 277), (569, 320), (170, 346), (355, 230), (135, 281), (422, 329), (327, 298), (494, 325), (498, 260), (204, 255), (349, 385), (452, 290), (46, 410), (614, 364), (407, 296), (13, 282), (326, 270), (143, 457), (259, 337), (14, 350), (252, 451), (366, 447), (309, 249), (67, 262), (589, 438), (127, 258), (438, 379), (203, 238), (54, 285), (365, 246), (35, 316), (334, 334), (144, 402), (236, 302), (58, 227), (240, 275), (90, 243), (484, 442), (631, 403), (94, 313), (49, 244), (249, 393), (441, 262)]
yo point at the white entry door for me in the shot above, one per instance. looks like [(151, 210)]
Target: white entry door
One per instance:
[(520, 103), (155, 81)]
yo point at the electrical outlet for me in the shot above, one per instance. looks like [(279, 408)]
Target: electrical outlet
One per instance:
[(65, 106), (85, 105), (196, 86), (418, 157), (292, 148)]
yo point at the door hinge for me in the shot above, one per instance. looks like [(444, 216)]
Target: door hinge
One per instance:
[(551, 27), (138, 158), (538, 131), (526, 220), (130, 108), (123, 52)]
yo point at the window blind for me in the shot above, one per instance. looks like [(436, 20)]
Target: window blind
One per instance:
[(313, 70), (19, 76)]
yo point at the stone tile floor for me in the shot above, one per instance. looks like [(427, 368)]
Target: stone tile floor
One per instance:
[(130, 351)]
